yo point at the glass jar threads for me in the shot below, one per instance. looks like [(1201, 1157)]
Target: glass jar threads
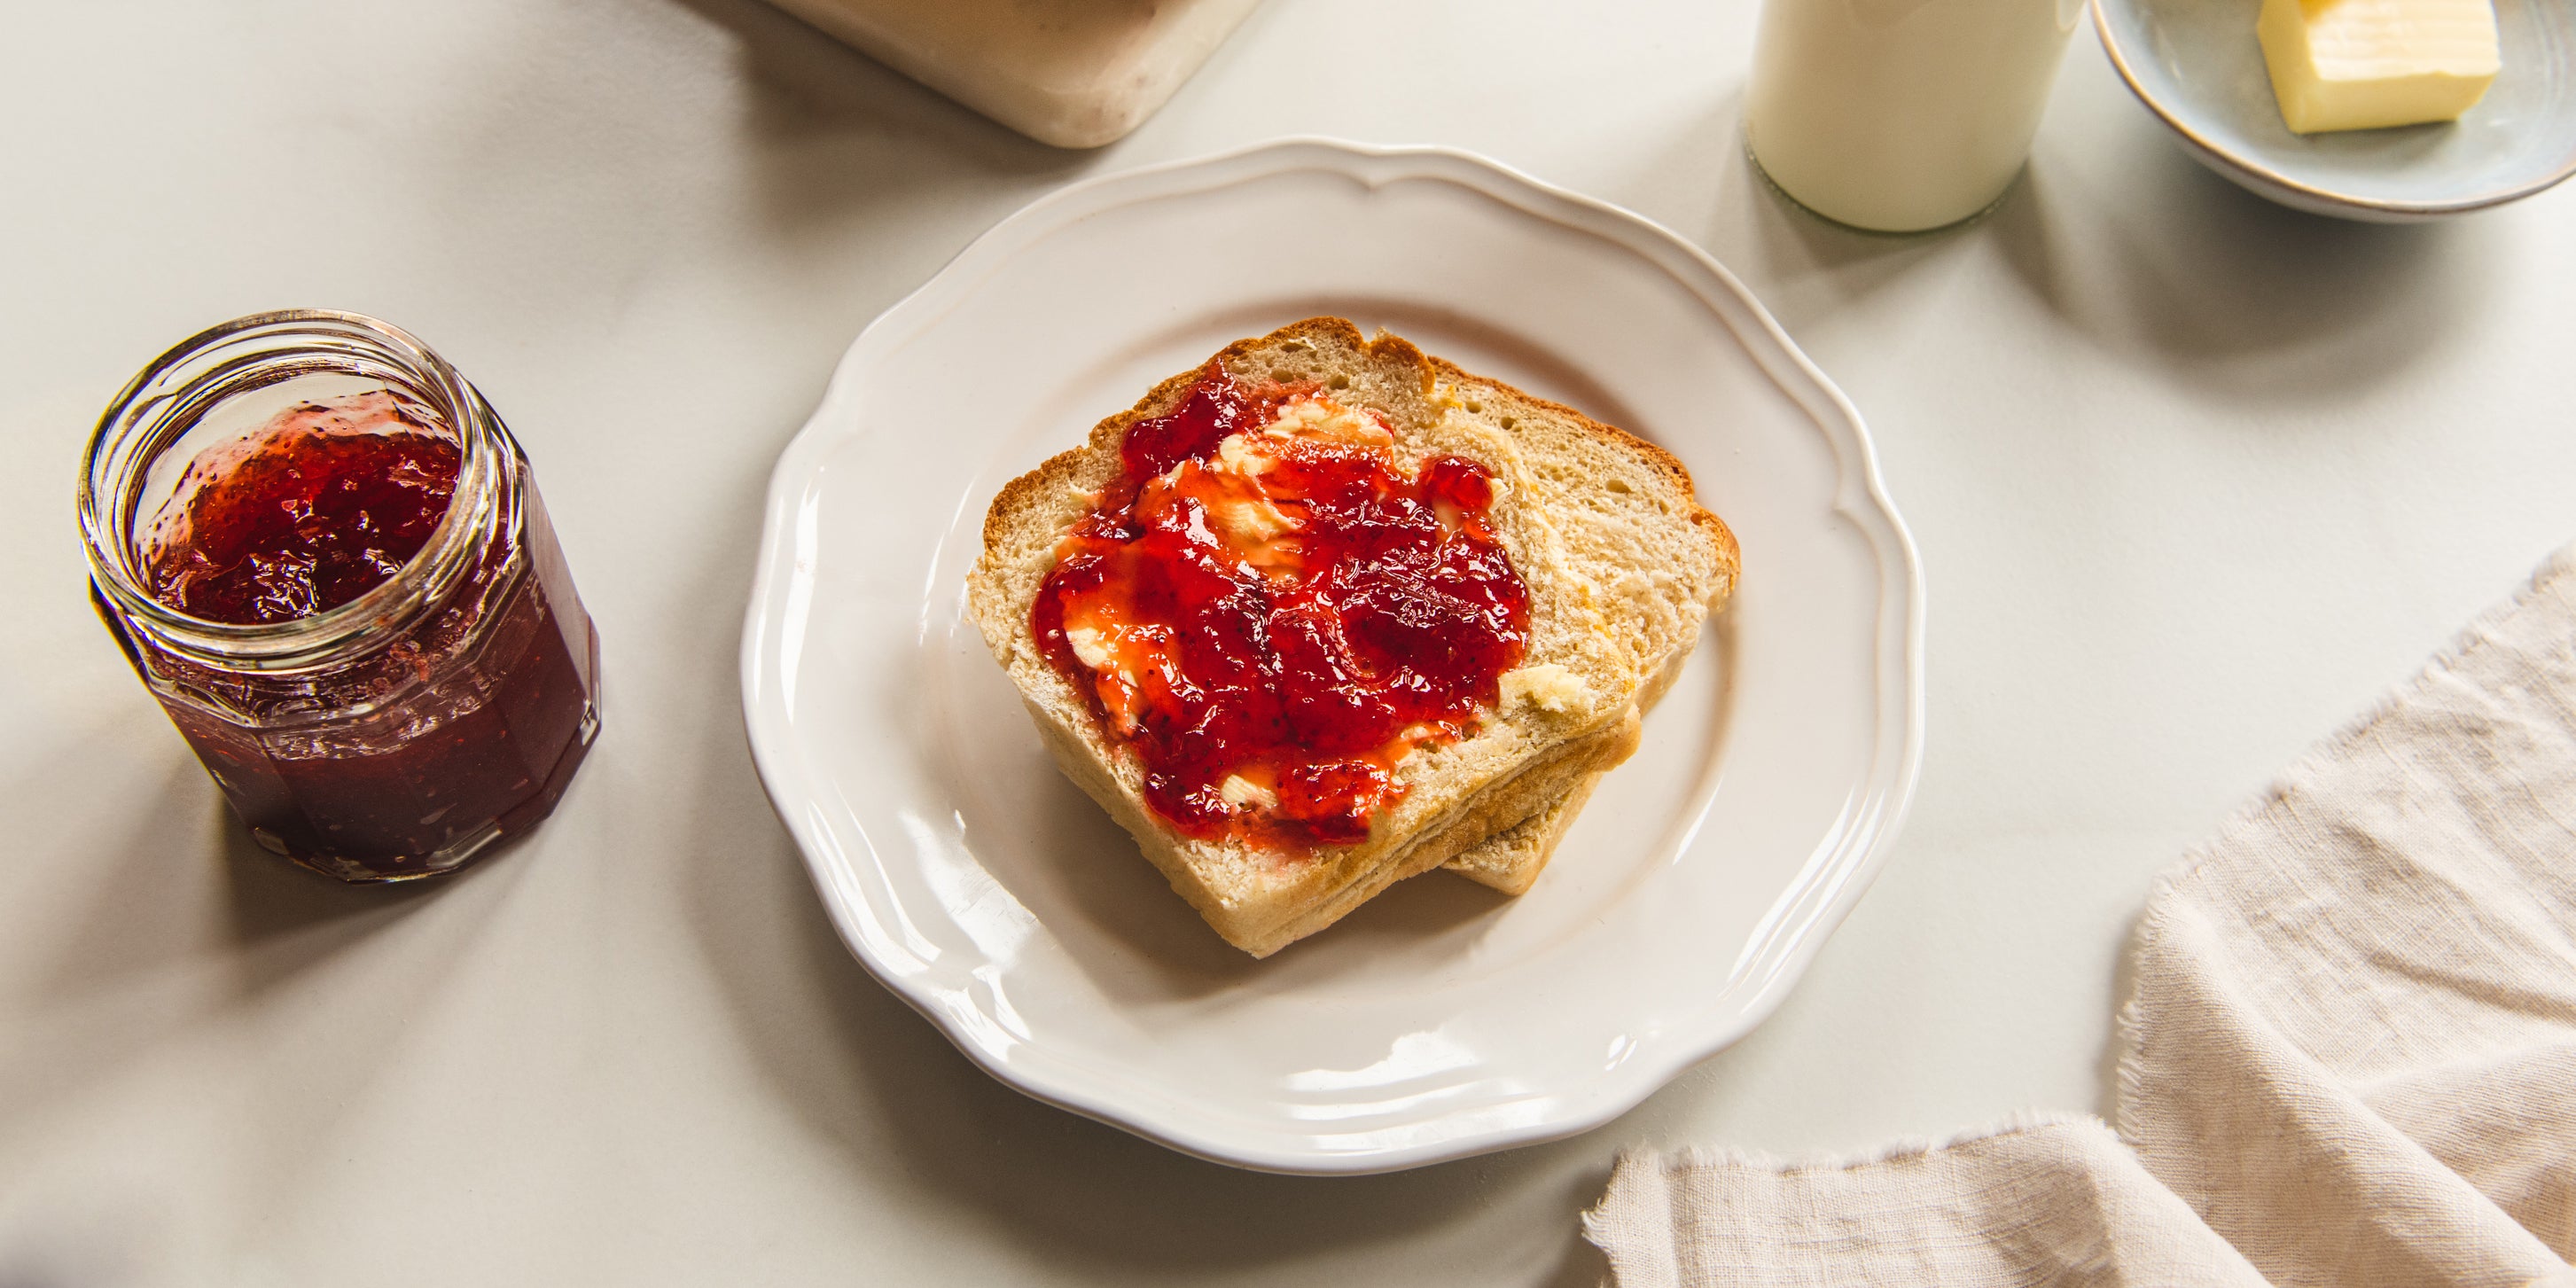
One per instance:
[(326, 557)]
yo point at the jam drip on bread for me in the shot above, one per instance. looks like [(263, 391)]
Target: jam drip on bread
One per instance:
[(1270, 608)]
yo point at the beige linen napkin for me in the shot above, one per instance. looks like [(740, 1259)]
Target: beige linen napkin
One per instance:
[(2350, 1049)]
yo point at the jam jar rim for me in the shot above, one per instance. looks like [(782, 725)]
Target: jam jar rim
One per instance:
[(110, 485)]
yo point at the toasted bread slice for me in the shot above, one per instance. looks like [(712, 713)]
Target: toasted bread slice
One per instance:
[(1617, 582), (1510, 860)]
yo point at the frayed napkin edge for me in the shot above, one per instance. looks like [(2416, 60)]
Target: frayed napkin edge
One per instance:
[(2129, 1020), (1650, 1169), (1900, 1150)]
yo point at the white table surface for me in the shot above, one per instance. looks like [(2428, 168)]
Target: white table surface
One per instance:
[(2194, 479)]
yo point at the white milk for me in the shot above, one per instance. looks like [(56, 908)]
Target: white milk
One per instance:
[(1899, 115)]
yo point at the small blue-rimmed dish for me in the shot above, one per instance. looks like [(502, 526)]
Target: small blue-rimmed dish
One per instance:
[(2195, 64)]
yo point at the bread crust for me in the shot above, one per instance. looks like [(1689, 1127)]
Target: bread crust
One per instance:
[(1059, 469), (1721, 538), (1510, 860), (1614, 619)]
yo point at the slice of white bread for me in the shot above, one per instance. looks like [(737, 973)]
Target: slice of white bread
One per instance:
[(1510, 860), (1617, 583)]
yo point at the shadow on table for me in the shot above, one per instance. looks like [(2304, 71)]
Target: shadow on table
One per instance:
[(2136, 248), (1803, 266), (282, 920), (811, 91), (185, 926), (2208, 283), (1090, 1200), (902, 1109), (192, 881)]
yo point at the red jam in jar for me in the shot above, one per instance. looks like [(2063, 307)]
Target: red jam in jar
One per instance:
[(316, 508), (1270, 609), (328, 560)]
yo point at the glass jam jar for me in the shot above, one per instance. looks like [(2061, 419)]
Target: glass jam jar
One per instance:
[(397, 734)]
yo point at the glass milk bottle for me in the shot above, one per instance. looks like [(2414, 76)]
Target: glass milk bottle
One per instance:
[(1901, 115)]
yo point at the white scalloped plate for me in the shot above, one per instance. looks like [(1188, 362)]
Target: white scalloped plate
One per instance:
[(1441, 1020)]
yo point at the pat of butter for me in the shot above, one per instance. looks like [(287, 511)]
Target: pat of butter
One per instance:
[(1089, 647), (1320, 417), (1253, 520), (2364, 64), (1235, 454), (1547, 686), (1240, 792)]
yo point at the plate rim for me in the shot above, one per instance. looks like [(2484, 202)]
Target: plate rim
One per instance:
[(1860, 494)]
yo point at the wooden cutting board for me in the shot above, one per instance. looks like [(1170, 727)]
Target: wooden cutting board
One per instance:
[(1074, 73)]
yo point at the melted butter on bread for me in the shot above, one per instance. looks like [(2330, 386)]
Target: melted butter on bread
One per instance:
[(1547, 686), (1243, 793)]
